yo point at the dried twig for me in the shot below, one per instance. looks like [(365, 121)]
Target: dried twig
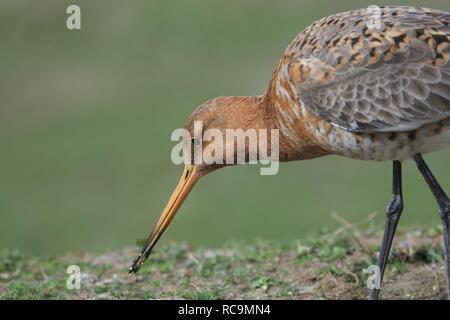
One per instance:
[(347, 226)]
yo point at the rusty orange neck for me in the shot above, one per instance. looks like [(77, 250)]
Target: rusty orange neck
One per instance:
[(275, 111)]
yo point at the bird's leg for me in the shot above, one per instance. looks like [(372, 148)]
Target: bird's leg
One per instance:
[(393, 211), (444, 208)]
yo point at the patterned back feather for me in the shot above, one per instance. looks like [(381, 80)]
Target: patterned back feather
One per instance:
[(395, 78)]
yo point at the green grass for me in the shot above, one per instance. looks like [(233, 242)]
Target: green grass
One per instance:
[(333, 268)]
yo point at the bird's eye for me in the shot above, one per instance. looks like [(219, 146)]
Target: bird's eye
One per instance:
[(195, 141)]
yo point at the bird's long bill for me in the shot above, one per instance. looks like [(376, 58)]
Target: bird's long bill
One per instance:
[(187, 181)]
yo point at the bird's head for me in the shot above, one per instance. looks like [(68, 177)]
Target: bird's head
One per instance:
[(207, 147)]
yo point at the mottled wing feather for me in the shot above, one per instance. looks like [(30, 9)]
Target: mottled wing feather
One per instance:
[(396, 78)]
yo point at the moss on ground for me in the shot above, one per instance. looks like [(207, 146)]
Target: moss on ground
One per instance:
[(329, 266)]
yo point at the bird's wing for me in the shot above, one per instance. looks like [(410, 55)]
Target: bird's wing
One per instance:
[(395, 78)]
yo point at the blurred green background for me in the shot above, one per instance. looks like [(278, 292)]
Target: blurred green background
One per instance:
[(86, 118)]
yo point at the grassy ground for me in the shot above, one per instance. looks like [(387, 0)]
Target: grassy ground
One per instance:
[(328, 266)]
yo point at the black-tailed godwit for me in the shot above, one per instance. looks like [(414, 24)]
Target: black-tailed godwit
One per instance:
[(347, 87)]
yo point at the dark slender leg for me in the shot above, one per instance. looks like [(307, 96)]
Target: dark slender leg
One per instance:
[(444, 208), (393, 211)]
